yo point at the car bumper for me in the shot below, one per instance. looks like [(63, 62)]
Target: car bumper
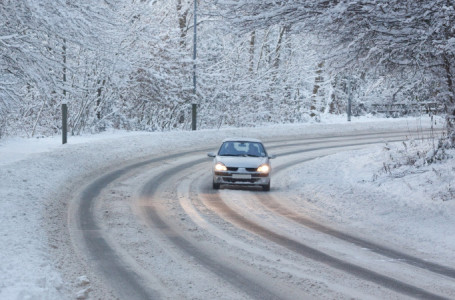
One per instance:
[(241, 179)]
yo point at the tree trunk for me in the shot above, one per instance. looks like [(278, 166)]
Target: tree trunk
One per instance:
[(278, 47), (252, 45), (315, 96), (182, 16), (98, 100), (449, 105)]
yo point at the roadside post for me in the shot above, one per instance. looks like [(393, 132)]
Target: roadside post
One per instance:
[(194, 105), (349, 100), (64, 123), (193, 116)]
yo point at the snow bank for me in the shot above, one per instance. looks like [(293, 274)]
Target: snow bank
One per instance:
[(377, 192)]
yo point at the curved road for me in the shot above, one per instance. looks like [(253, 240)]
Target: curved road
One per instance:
[(156, 230)]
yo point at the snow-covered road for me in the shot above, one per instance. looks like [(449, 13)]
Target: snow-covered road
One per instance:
[(133, 217)]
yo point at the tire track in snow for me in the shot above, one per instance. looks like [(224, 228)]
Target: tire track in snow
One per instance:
[(228, 273), (273, 205), (216, 204), (127, 281)]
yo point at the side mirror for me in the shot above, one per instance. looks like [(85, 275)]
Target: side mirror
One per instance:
[(272, 156), (211, 154)]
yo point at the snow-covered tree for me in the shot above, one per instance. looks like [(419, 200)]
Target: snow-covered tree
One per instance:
[(410, 40), (128, 64), (40, 44), (111, 61)]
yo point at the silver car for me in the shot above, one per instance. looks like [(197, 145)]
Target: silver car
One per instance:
[(241, 162)]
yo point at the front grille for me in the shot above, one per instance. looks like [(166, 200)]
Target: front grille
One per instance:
[(227, 174), (235, 169), (229, 179)]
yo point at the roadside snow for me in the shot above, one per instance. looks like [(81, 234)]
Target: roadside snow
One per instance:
[(374, 191), (34, 172)]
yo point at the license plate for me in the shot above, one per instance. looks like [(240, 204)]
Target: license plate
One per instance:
[(241, 176)]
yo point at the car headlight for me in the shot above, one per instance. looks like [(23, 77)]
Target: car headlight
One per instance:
[(264, 169), (220, 167)]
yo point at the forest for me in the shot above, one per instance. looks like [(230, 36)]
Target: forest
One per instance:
[(128, 64)]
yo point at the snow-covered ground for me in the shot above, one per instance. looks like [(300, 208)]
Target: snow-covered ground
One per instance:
[(377, 193), (374, 185)]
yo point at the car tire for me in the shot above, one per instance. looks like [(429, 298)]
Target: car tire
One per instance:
[(216, 186), (266, 187)]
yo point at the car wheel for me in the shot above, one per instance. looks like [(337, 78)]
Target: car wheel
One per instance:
[(266, 187), (216, 186)]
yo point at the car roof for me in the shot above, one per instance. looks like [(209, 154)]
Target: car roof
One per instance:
[(242, 140)]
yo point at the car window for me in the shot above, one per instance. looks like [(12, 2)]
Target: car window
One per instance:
[(242, 149)]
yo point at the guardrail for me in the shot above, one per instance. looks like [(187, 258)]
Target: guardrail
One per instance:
[(401, 109)]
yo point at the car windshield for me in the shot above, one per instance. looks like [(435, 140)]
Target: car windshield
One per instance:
[(240, 148)]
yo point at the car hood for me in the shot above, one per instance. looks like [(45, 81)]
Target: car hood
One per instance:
[(241, 161)]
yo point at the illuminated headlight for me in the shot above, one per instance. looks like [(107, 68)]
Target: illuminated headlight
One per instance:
[(264, 169), (220, 167)]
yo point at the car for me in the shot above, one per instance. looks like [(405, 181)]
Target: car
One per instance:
[(241, 161)]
